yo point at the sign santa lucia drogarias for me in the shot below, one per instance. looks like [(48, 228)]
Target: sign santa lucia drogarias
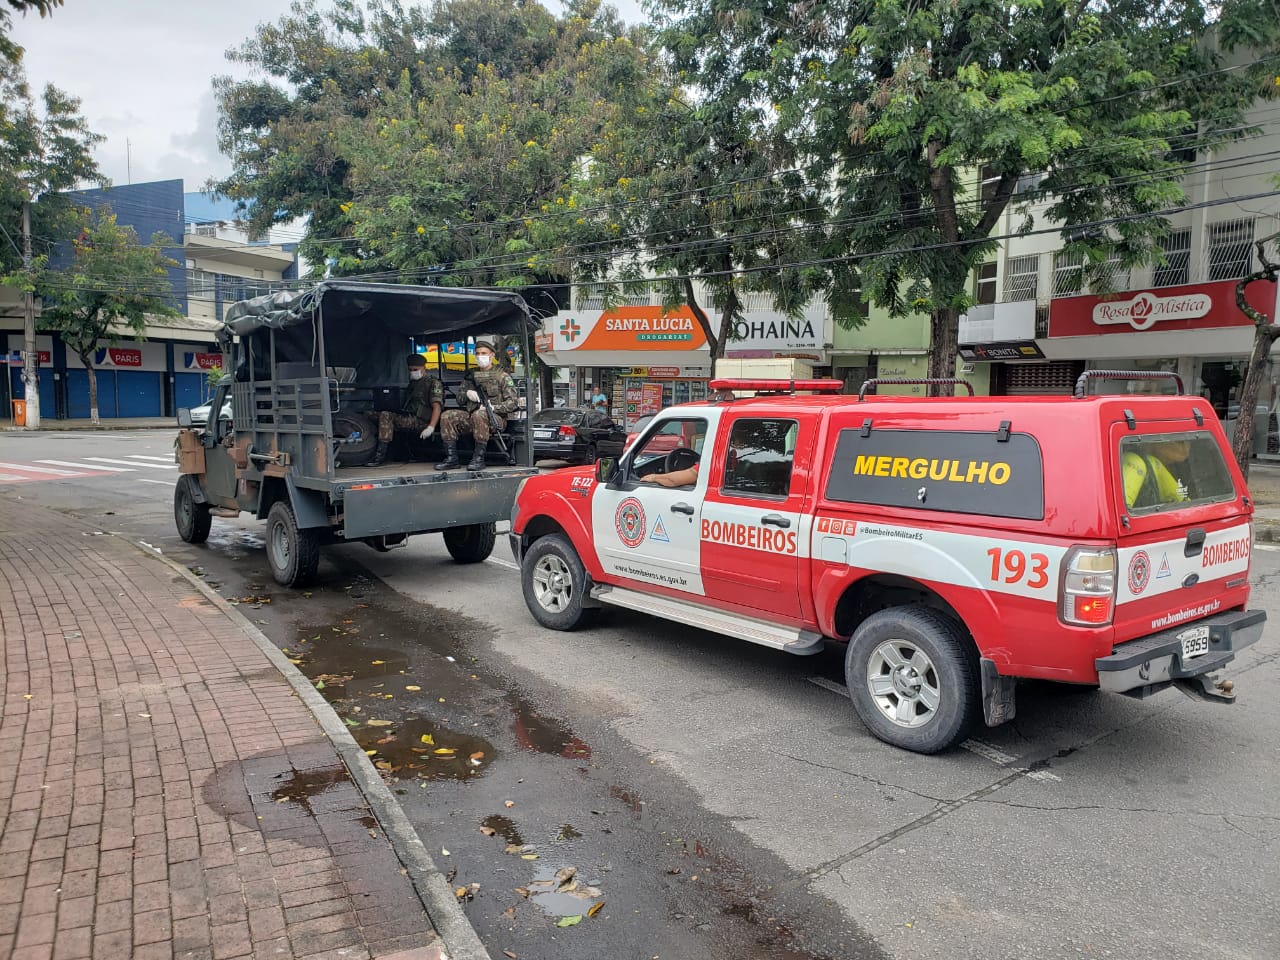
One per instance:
[(645, 327)]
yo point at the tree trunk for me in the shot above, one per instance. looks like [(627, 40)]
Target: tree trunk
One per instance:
[(93, 389), (31, 355), (944, 334), (713, 342), (1265, 333)]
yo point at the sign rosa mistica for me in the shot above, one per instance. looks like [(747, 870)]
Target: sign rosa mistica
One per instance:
[(1147, 309)]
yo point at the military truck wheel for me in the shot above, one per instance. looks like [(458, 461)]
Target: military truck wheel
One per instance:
[(293, 554), (555, 584), (193, 519), (472, 543), (913, 678)]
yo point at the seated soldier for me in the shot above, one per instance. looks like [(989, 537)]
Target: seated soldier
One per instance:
[(423, 400), (496, 385)]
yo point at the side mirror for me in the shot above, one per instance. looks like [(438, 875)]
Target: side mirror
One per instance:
[(184, 417), (605, 468)]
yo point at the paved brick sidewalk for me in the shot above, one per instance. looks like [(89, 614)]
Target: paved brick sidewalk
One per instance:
[(163, 793)]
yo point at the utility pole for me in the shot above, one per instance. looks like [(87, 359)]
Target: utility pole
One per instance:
[(30, 355)]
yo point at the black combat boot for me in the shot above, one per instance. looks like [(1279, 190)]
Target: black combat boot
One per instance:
[(451, 461), (477, 458), (379, 454)]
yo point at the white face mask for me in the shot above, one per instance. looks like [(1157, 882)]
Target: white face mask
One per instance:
[(484, 361), (416, 374)]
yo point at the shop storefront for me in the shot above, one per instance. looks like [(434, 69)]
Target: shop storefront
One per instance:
[(642, 358), (1196, 331)]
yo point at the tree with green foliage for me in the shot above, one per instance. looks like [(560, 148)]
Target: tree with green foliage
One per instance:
[(108, 291), (895, 107), (8, 49), (1265, 333), (45, 148)]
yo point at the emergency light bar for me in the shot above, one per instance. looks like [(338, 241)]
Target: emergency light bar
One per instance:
[(779, 386)]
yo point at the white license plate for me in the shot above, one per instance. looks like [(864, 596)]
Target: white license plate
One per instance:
[(1195, 642), (542, 434)]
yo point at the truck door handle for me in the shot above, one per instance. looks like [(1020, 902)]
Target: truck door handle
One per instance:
[(775, 520), (682, 507), (1194, 544)]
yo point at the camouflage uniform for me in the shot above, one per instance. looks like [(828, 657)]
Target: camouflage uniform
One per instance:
[(471, 418), (416, 412)]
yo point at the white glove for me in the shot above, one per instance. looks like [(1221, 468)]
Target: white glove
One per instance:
[(473, 396), (426, 433)]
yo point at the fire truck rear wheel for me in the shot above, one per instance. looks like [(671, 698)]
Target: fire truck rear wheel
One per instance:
[(913, 678), (555, 583)]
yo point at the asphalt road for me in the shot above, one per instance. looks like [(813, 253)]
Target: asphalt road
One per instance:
[(646, 754)]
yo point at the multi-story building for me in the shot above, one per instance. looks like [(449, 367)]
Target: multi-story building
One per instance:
[(1036, 329), (216, 265)]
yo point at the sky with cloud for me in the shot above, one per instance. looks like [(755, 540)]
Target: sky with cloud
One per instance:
[(143, 69)]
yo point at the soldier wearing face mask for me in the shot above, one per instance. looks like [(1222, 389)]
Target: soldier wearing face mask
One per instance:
[(423, 401), (497, 385)]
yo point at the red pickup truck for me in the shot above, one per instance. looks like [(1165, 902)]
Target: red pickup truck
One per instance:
[(954, 544)]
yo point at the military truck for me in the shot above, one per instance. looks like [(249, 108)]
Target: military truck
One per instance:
[(307, 373)]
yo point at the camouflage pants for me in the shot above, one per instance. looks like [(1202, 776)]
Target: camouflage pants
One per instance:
[(389, 423), (454, 422)]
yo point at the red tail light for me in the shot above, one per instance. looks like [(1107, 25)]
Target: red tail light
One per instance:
[(566, 431)]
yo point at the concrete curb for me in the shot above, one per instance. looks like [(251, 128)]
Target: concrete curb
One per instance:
[(443, 910)]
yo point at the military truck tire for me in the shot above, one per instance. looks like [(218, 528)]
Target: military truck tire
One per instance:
[(472, 543), (913, 677), (359, 452), (292, 554), (193, 519), (555, 584)]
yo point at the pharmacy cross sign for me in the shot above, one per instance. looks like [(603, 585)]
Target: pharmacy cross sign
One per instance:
[(570, 329)]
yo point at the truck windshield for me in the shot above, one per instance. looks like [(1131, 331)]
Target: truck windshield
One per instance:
[(1172, 471)]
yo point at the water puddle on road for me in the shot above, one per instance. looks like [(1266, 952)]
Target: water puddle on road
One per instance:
[(504, 827), (543, 735), (303, 785)]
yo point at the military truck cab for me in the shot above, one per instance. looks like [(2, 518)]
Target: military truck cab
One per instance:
[(308, 374)]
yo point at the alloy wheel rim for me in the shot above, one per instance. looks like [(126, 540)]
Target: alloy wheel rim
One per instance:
[(280, 546), (903, 683), (552, 583)]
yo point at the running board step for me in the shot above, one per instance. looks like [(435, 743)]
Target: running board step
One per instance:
[(790, 639)]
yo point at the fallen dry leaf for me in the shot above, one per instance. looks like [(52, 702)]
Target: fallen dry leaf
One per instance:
[(509, 913), (565, 874), (413, 688), (477, 755), (514, 848), (382, 764), (595, 908), (371, 752), (488, 831), (509, 803), (380, 723), (377, 663), (522, 891), (528, 856), (460, 893), (428, 739), (445, 751), (570, 921)]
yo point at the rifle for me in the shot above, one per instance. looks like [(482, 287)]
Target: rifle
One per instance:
[(495, 428)]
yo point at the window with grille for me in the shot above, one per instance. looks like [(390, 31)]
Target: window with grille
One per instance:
[(200, 283), (1230, 249), (1067, 281), (1113, 277), (1022, 278), (1176, 269), (987, 282), (591, 297)]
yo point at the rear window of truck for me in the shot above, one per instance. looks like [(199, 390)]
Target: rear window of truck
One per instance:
[(1172, 471), (992, 473)]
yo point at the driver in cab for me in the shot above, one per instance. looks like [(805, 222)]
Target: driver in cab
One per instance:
[(676, 478)]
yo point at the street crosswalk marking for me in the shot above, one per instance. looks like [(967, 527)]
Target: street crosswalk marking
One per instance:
[(97, 468), (35, 469), (144, 456), (134, 463)]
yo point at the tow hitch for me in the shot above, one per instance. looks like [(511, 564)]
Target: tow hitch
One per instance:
[(1208, 686)]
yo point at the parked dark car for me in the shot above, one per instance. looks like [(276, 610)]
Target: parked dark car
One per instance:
[(578, 434)]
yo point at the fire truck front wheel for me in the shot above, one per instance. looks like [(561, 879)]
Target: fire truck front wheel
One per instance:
[(913, 678), (555, 583)]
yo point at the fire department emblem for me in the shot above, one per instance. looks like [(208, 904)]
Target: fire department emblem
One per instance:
[(629, 522), (1139, 572)]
